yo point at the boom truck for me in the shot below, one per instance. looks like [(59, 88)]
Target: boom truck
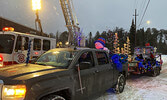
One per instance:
[(18, 42), (71, 25)]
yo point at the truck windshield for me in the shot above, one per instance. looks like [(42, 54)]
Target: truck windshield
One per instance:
[(6, 43), (57, 58)]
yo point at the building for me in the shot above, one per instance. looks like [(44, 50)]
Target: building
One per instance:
[(18, 27)]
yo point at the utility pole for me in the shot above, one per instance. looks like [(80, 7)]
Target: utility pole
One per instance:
[(38, 21), (36, 6), (135, 24)]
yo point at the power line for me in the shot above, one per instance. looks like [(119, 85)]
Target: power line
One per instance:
[(143, 4), (144, 13)]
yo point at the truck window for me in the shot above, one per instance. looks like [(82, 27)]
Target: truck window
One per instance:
[(37, 44), (46, 45), (87, 57), (6, 43), (18, 43), (26, 43), (102, 58)]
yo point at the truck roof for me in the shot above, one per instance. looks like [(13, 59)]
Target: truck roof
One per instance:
[(75, 49)]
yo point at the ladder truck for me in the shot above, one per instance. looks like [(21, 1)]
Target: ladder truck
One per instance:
[(71, 25)]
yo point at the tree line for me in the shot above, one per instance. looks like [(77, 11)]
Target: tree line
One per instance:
[(153, 36)]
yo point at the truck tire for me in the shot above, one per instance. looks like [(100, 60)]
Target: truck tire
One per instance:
[(53, 97), (158, 71), (120, 84), (154, 72)]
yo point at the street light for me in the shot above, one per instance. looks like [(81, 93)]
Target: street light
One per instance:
[(36, 6), (148, 22)]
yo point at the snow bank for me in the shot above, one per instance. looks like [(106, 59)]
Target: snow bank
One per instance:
[(164, 58)]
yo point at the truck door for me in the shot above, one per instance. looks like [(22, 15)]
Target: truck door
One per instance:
[(21, 48), (85, 82), (19, 55), (104, 73)]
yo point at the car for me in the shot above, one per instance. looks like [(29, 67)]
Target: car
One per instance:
[(63, 74)]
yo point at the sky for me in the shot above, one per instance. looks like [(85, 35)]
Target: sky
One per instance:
[(92, 15)]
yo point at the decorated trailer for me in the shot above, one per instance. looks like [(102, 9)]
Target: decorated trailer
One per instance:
[(14, 46), (145, 60)]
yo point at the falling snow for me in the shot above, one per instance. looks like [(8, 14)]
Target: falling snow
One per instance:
[(143, 87)]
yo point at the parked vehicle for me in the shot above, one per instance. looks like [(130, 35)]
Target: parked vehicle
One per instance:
[(145, 60), (63, 74), (14, 46)]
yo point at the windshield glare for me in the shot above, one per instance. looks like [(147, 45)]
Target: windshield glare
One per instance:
[(57, 58), (6, 43)]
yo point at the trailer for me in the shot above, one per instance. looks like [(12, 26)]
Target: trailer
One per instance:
[(145, 61)]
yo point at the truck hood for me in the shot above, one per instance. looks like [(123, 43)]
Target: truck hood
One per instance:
[(23, 72)]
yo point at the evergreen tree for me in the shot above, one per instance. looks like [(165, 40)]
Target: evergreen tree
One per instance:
[(132, 36), (57, 37), (90, 40), (86, 43), (63, 37), (97, 35), (154, 37), (148, 35), (52, 35)]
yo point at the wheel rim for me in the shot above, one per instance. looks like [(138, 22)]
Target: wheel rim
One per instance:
[(57, 98), (121, 84), (154, 72)]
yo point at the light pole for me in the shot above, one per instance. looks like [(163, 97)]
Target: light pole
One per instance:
[(36, 6)]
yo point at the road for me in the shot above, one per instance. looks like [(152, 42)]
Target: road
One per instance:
[(143, 87)]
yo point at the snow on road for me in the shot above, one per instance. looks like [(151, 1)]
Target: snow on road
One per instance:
[(143, 87)]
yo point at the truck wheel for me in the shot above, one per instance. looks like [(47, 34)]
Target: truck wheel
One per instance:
[(158, 71), (53, 97), (154, 72), (120, 84)]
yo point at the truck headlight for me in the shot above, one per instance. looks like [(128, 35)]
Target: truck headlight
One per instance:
[(13, 92)]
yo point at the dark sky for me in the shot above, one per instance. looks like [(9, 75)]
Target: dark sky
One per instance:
[(93, 15)]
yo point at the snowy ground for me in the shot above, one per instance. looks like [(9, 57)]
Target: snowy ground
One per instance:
[(143, 87)]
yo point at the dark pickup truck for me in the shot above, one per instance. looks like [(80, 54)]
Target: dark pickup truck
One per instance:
[(62, 74)]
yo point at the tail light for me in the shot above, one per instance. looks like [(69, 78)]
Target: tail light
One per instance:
[(1, 61), (1, 58)]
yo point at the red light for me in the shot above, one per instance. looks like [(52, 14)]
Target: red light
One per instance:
[(8, 29), (1, 58), (36, 53)]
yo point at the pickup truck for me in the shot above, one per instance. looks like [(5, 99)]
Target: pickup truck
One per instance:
[(62, 74)]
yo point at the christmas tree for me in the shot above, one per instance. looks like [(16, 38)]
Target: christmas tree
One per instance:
[(116, 44)]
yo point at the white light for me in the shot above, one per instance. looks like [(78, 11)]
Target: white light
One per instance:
[(9, 91), (148, 22), (36, 4), (56, 52)]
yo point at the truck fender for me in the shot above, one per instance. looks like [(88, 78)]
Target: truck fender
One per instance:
[(52, 91)]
